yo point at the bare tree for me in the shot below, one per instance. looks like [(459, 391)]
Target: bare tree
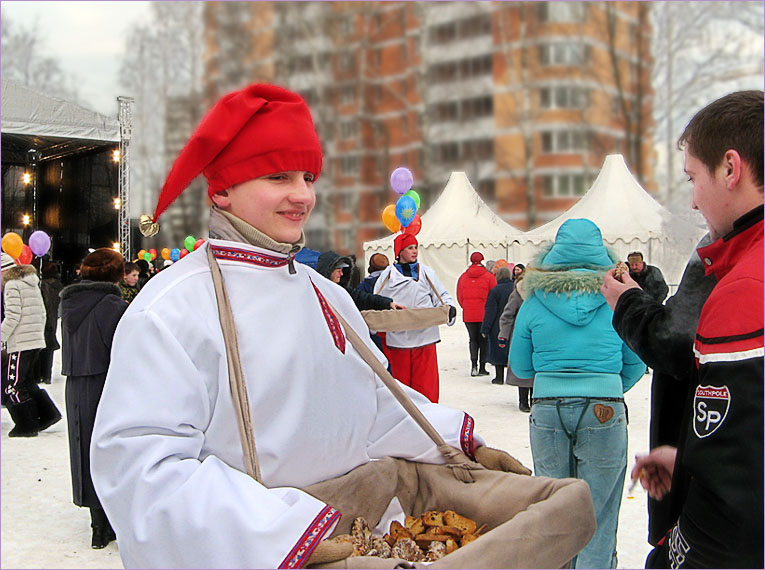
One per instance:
[(24, 60), (702, 50)]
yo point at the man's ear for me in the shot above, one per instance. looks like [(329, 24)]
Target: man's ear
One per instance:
[(221, 199), (731, 168)]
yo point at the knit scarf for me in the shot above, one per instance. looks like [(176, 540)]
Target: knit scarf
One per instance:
[(224, 225)]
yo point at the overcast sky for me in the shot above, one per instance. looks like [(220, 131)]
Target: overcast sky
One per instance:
[(88, 39)]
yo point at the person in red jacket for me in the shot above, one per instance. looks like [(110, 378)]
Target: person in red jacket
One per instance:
[(473, 287)]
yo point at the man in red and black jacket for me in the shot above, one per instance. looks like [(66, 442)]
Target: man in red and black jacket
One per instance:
[(718, 462)]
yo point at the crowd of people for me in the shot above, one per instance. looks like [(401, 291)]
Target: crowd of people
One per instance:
[(569, 329)]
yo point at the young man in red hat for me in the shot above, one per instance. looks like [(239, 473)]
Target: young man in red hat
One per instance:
[(412, 354), (167, 459)]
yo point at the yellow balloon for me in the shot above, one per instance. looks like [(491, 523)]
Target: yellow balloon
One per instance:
[(389, 218), (165, 253), (12, 244), (140, 253)]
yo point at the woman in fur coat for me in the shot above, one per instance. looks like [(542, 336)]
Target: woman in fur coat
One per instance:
[(90, 311), (563, 338)]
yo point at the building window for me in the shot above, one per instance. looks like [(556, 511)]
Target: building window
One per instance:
[(347, 61), (564, 185), (564, 98), (476, 108), (346, 239), (564, 54), (447, 111), (448, 152), (375, 57), (349, 165), (467, 28), (561, 11), (461, 70), (443, 33), (571, 140), (347, 94), (345, 25), (478, 149), (486, 189), (348, 129), (345, 201)]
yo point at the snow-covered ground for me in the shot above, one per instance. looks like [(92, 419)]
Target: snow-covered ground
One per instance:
[(42, 528)]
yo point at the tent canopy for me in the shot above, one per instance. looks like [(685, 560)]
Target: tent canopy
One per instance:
[(629, 219), (456, 225), (52, 126)]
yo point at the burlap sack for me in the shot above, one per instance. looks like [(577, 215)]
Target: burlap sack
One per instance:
[(534, 522), (406, 319)]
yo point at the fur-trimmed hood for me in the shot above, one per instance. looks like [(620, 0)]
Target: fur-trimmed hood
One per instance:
[(26, 273), (566, 275)]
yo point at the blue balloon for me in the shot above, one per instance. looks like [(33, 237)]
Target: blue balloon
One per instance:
[(406, 208), (175, 254)]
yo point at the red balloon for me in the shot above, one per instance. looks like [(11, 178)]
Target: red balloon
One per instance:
[(198, 243), (153, 253), (184, 252), (414, 226), (25, 258)]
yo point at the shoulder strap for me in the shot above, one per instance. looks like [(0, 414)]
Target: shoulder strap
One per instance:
[(236, 376), (431, 285)]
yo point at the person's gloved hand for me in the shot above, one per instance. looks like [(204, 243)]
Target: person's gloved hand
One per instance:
[(452, 312), (502, 342), (327, 551), (498, 460)]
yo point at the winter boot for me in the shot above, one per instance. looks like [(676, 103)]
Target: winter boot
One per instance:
[(474, 369), (48, 413), (103, 533), (482, 371), (500, 376), (523, 400), (24, 415)]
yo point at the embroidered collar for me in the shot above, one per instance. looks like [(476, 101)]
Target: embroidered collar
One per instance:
[(253, 257)]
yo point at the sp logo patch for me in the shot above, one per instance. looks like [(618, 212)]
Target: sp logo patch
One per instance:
[(710, 407)]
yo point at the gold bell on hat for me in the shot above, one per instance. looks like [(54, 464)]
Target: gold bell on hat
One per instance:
[(147, 226)]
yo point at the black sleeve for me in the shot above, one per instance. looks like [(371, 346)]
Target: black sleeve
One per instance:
[(656, 285), (662, 335), (489, 311), (369, 301)]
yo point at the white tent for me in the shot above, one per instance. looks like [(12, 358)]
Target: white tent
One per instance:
[(29, 112), (629, 219), (455, 226)]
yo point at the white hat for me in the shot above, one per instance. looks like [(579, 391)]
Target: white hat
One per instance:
[(7, 261), (168, 262)]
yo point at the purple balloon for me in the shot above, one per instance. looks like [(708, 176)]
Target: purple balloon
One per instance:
[(39, 243), (401, 180)]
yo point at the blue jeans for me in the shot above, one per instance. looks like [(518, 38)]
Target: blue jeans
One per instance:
[(594, 451)]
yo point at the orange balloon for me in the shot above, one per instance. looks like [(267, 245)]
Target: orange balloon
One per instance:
[(389, 218), (12, 244), (140, 253), (165, 253)]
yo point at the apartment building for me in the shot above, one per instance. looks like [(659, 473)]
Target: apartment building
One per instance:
[(525, 97)]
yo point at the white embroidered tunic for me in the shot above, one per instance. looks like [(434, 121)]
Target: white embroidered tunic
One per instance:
[(166, 455), (413, 294)]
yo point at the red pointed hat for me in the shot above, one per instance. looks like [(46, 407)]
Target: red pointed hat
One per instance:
[(259, 130), (402, 241)]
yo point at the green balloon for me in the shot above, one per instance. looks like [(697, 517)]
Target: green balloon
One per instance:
[(414, 196), (147, 256), (189, 242)]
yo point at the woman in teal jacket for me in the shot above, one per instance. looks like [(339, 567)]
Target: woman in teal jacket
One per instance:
[(564, 340)]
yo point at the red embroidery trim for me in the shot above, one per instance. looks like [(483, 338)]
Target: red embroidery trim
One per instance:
[(307, 543), (466, 438), (252, 257), (332, 322)]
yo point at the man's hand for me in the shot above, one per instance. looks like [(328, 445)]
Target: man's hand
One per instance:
[(612, 289), (394, 305), (498, 460), (655, 470), (328, 551), (502, 342)]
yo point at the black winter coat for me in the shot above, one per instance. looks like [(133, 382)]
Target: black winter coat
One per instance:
[(51, 287), (90, 312), (364, 301), (652, 282), (662, 336), (495, 304)]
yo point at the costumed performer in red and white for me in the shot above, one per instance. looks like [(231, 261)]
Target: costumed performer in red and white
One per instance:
[(167, 461), (412, 354)]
